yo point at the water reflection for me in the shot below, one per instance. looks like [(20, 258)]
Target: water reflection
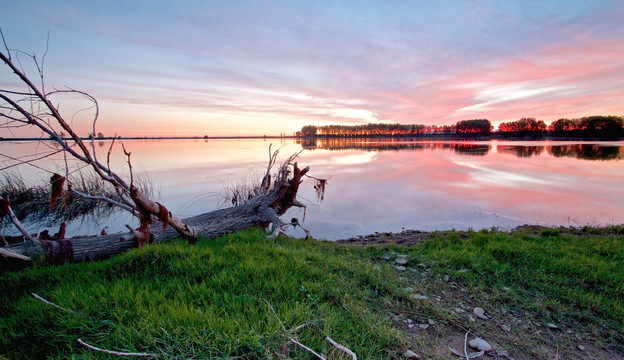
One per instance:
[(390, 144), (602, 151), (385, 186), (521, 151), (588, 151)]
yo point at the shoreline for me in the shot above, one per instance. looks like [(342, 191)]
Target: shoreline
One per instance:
[(433, 137), (413, 237)]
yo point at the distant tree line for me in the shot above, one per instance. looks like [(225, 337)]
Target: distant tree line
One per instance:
[(476, 126), (602, 127)]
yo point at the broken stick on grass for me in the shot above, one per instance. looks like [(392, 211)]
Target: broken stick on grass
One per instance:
[(342, 348), (118, 353), (51, 303)]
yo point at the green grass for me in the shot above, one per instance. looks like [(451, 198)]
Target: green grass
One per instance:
[(214, 299), (554, 273), (207, 300)]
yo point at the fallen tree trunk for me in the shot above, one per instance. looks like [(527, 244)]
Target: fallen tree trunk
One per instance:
[(34, 109), (262, 210)]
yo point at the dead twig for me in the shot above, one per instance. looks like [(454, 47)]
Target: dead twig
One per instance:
[(342, 348), (51, 303), (290, 338), (465, 343), (306, 348), (274, 313), (118, 353)]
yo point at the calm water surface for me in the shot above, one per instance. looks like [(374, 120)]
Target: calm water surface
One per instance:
[(379, 186)]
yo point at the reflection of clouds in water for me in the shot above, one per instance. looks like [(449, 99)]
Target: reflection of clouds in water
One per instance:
[(484, 174), (433, 188), (354, 159)]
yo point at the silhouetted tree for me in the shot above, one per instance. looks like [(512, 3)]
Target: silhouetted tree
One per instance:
[(475, 126)]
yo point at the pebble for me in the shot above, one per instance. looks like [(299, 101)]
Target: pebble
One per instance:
[(419, 297), (480, 313), (506, 328), (386, 258), (401, 261), (507, 288), (581, 347), (446, 278), (463, 270), (400, 268), (431, 322), (459, 310), (480, 344), (423, 326), (552, 326), (409, 354)]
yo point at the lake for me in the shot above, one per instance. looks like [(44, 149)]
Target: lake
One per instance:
[(382, 185)]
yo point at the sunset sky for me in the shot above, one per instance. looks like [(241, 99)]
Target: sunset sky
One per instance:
[(266, 67)]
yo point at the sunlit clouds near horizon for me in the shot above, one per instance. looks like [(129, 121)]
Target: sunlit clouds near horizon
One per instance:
[(200, 68)]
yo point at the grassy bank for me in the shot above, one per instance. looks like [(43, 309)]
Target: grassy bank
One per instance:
[(244, 295)]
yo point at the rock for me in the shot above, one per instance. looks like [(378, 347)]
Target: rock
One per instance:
[(419, 297), (409, 354), (506, 328), (480, 344), (552, 326), (400, 268), (386, 258), (581, 347), (423, 326), (459, 310), (431, 322), (400, 261), (480, 313), (408, 290)]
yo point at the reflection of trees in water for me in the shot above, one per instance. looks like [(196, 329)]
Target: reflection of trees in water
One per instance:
[(587, 151), (520, 150), (579, 151), (390, 144)]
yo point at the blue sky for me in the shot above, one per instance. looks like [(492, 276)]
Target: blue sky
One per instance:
[(260, 67)]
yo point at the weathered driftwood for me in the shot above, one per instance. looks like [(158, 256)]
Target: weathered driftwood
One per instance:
[(261, 210)]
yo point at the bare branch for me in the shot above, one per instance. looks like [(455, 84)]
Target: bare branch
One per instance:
[(8, 253), (29, 239), (5, 44), (102, 198)]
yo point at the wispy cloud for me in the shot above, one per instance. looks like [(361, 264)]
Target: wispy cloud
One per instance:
[(286, 64)]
